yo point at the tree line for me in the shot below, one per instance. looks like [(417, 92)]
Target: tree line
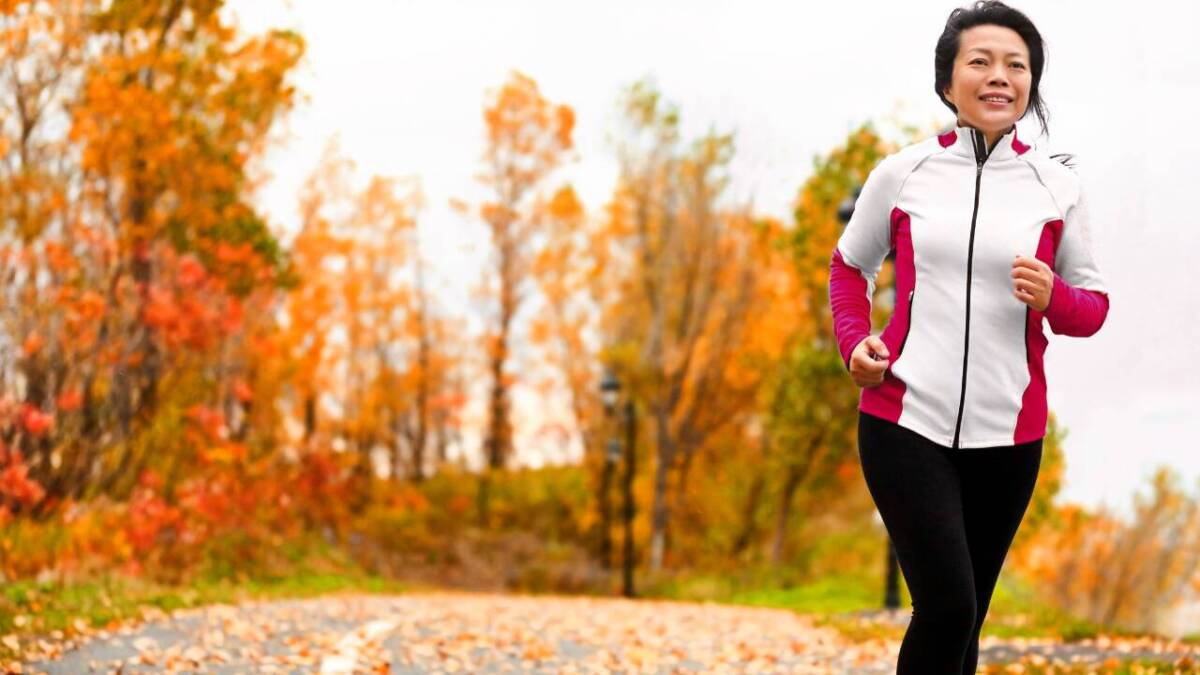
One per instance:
[(173, 371)]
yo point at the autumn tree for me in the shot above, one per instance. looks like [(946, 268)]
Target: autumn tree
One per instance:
[(691, 322), (571, 271), (139, 230), (374, 360), (167, 120), (1115, 571), (421, 382), (811, 405), (528, 137), (310, 307), (42, 50)]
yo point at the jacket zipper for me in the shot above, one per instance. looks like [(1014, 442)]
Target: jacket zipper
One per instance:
[(981, 154)]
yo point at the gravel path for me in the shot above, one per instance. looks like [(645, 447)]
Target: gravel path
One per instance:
[(491, 633)]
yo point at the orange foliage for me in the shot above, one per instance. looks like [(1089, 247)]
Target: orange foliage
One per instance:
[(35, 421), (361, 326), (149, 515), (15, 486), (140, 256), (33, 343), (69, 400), (1117, 572), (186, 383), (528, 139), (699, 299)]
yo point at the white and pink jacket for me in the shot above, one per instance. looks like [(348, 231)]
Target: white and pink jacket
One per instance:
[(966, 355)]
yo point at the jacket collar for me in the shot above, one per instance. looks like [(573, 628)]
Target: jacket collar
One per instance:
[(969, 142)]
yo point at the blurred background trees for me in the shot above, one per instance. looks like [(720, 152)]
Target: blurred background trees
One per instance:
[(185, 389)]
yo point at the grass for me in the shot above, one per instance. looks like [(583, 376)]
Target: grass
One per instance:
[(43, 607), (1016, 611), (68, 608), (831, 595), (764, 586), (769, 586)]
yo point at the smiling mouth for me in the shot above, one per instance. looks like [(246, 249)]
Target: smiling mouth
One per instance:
[(994, 99)]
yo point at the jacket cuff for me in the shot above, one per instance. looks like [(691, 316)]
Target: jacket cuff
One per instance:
[(1075, 311)]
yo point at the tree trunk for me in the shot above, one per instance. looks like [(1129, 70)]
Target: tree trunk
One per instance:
[(499, 436), (746, 533), (423, 348), (660, 513), (797, 475), (791, 482)]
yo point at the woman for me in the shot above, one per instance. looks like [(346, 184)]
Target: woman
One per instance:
[(990, 239)]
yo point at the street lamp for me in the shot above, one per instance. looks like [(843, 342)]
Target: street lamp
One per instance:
[(610, 395), (891, 593), (627, 493), (612, 453), (610, 391)]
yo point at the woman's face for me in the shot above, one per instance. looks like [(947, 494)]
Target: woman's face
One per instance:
[(990, 81)]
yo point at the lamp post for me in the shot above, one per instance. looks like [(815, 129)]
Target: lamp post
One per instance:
[(610, 390), (612, 454), (610, 395), (627, 491), (891, 593)]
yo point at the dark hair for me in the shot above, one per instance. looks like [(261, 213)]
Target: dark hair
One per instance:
[(995, 13)]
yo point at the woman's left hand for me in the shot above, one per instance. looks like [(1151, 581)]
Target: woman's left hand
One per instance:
[(1033, 281)]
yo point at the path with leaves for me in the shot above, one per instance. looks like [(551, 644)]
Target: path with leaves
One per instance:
[(478, 633)]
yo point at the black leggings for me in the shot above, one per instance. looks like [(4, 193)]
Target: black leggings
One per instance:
[(952, 515)]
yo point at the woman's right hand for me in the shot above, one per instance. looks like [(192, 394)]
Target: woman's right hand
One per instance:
[(869, 362)]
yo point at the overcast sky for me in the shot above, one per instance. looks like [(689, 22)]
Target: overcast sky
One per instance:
[(402, 84)]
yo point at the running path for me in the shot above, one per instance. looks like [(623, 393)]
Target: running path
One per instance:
[(476, 633), (481, 633)]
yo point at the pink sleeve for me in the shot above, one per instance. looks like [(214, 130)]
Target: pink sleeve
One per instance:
[(850, 305), (1077, 312)]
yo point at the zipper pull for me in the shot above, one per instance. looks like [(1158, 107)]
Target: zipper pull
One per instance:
[(979, 143)]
